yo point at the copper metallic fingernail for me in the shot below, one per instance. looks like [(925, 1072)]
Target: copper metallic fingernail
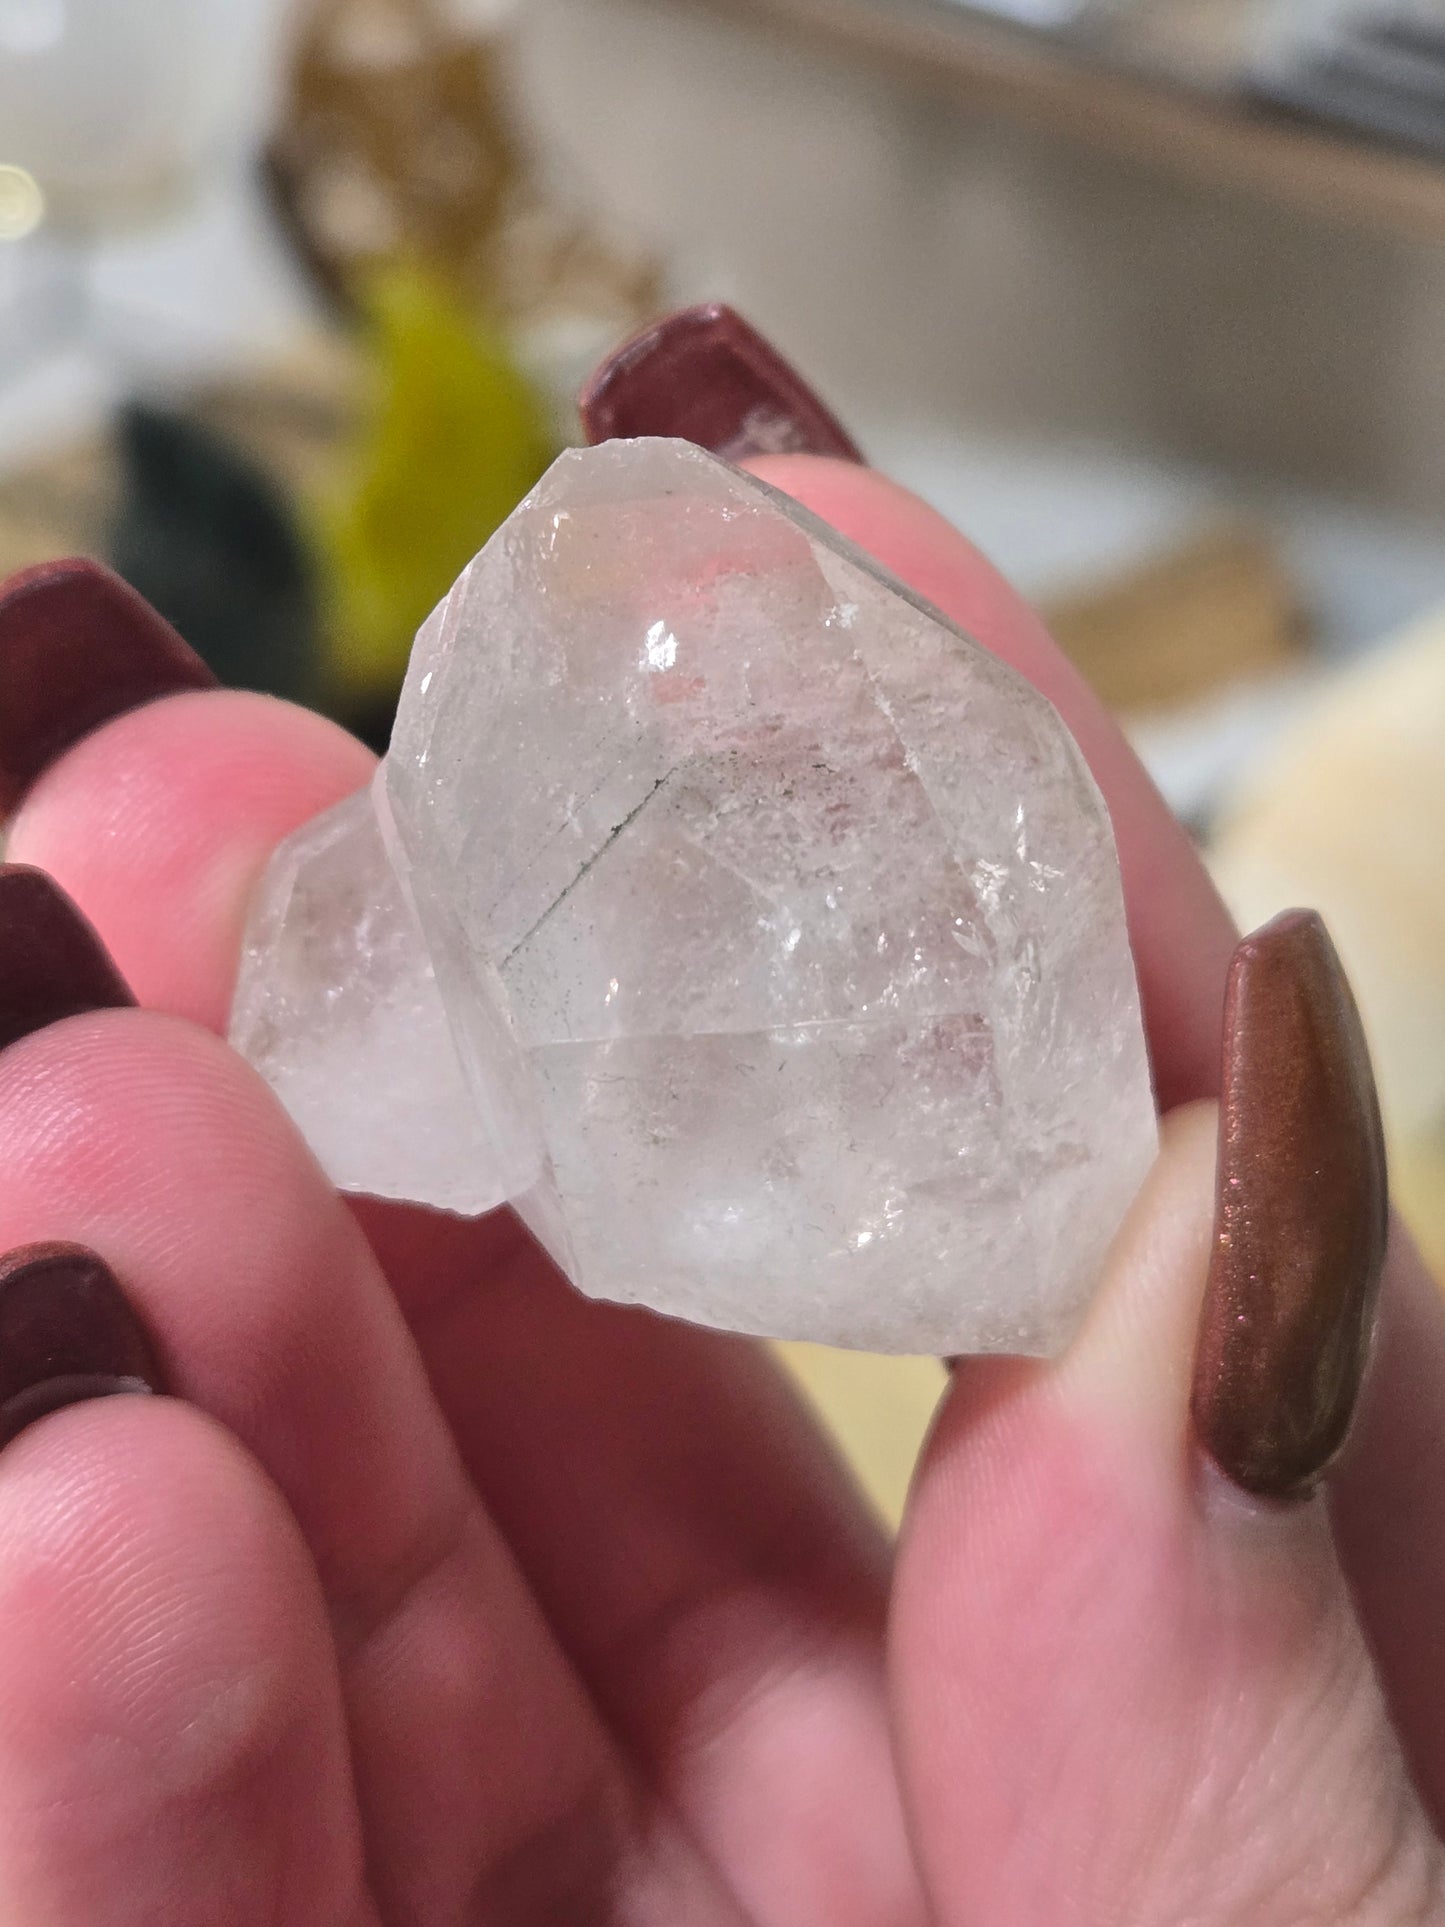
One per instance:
[(1300, 1215), (52, 963), (67, 1333), (705, 376), (77, 646)]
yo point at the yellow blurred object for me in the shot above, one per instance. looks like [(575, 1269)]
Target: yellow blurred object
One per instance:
[(1417, 1178), (1348, 816), (878, 1409), (22, 204), (58, 505), (1180, 627), (452, 437)]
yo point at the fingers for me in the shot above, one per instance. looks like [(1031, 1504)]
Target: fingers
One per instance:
[(172, 1746), (159, 824), (1389, 1501), (481, 1767), (78, 646), (1389, 1493), (1178, 1717), (1388, 1504), (667, 1487), (708, 1569)]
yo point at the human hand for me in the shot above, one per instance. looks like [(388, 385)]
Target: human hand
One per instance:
[(438, 1594)]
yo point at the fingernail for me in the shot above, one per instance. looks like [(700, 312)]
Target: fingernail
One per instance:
[(705, 376), (67, 1334), (52, 963), (77, 646), (1301, 1209)]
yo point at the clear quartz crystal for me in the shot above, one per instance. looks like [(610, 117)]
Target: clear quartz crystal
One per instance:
[(754, 931)]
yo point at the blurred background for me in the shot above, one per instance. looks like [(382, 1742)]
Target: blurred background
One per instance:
[(1147, 295)]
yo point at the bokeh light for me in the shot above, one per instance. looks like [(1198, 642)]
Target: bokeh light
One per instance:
[(22, 204)]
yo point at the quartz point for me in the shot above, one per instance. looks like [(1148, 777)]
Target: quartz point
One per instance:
[(721, 905)]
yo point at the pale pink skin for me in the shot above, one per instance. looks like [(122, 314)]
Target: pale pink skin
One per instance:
[(447, 1597)]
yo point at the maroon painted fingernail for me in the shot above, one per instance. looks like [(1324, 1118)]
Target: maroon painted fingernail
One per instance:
[(52, 963), (67, 1333), (1301, 1215), (77, 646), (704, 375)]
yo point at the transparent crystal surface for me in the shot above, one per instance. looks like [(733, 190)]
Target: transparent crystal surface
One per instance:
[(337, 1004), (754, 931)]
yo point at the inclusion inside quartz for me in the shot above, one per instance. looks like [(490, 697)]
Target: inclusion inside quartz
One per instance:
[(720, 905)]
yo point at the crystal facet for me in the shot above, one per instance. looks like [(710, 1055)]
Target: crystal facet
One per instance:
[(752, 930)]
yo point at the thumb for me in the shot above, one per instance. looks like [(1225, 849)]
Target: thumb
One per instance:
[(1127, 1689)]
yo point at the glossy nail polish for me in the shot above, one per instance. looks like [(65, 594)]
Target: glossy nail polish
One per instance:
[(1300, 1218), (67, 1334), (77, 646), (52, 963), (705, 376)]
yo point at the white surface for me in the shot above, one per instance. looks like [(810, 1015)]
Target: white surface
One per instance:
[(115, 106), (140, 122), (213, 289)]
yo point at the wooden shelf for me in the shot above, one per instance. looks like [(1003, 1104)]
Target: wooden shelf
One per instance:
[(1196, 133)]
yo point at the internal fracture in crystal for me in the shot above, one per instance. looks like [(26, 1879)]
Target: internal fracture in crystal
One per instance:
[(753, 931)]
